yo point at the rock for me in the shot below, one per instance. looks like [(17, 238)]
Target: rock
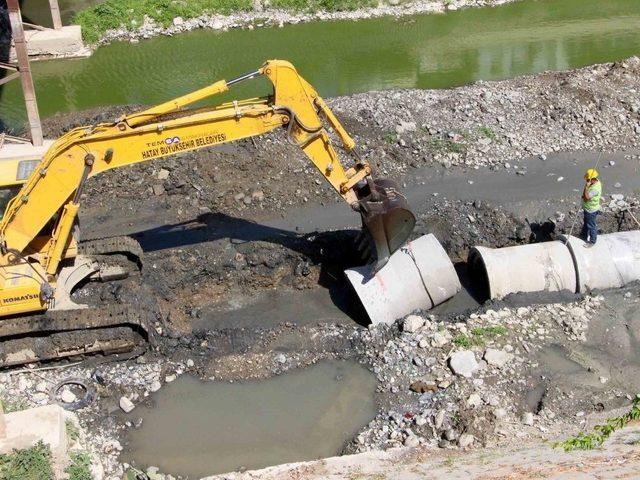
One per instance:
[(439, 339), (450, 434), (158, 189), (42, 387), (404, 127), (178, 21), (420, 420), (155, 386), (190, 363), (527, 418), (498, 358), (163, 174), (412, 323), (474, 400), (499, 413), (281, 358), (423, 343), (412, 441), (67, 396), (463, 363), (170, 378), (439, 418), (422, 386), (465, 440), (257, 196), (126, 405)]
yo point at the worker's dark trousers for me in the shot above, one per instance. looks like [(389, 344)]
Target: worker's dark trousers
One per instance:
[(590, 227)]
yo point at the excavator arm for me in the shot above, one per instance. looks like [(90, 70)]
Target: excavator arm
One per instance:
[(36, 229)]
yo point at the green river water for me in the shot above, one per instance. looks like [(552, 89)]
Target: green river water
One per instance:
[(344, 57)]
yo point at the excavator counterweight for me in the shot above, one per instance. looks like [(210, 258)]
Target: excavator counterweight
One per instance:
[(41, 257)]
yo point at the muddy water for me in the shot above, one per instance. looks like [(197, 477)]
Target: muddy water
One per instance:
[(200, 428), (336, 304), (428, 51)]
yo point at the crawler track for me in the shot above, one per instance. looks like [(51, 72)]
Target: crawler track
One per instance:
[(72, 333)]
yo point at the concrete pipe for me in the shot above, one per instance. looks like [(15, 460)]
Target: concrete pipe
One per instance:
[(612, 262), (525, 268), (419, 276)]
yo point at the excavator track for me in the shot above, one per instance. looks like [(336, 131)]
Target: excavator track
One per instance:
[(60, 334)]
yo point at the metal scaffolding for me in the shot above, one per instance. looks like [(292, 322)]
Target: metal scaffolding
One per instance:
[(22, 69)]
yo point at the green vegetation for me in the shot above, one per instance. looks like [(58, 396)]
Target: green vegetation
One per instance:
[(463, 340), (447, 145), (589, 441), (72, 431), (478, 336), (14, 405), (490, 332), (391, 138), (80, 468), (487, 132), (95, 21), (328, 5), (113, 14), (29, 464)]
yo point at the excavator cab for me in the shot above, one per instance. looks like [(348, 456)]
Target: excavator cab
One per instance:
[(388, 222)]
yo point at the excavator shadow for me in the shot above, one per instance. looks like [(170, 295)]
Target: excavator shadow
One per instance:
[(333, 251)]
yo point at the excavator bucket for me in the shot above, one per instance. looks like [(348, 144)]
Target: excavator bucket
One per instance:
[(387, 219)]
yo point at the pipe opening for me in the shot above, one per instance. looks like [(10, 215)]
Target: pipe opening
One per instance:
[(477, 271)]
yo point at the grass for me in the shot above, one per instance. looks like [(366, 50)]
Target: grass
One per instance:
[(328, 5), (487, 132), (28, 464), (113, 14), (80, 467), (489, 331), (478, 336), (391, 138), (446, 145), (13, 406), (463, 340), (72, 431), (595, 439)]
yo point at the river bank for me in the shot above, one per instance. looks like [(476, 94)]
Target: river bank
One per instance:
[(109, 22), (341, 58), (503, 126)]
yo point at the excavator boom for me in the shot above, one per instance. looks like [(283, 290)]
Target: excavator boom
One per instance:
[(37, 240)]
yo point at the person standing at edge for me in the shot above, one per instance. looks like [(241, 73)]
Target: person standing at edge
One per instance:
[(591, 194)]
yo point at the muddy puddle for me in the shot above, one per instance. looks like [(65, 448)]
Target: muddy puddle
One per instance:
[(195, 428), (269, 309)]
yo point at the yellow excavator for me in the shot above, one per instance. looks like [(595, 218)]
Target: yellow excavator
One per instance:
[(42, 258)]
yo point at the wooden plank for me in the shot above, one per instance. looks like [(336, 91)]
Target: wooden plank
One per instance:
[(20, 44)]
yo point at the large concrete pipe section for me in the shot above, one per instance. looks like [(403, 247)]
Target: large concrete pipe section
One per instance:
[(612, 262), (560, 265), (418, 276), (524, 268)]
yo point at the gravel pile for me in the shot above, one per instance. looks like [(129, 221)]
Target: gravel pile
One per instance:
[(499, 124), (456, 384)]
